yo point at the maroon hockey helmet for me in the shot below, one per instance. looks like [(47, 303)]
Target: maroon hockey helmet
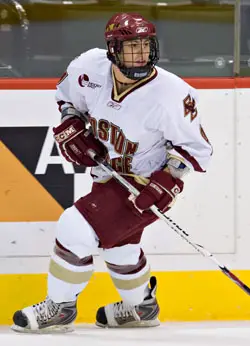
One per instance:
[(129, 26)]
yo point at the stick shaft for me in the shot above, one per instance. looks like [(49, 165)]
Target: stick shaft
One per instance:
[(182, 233)]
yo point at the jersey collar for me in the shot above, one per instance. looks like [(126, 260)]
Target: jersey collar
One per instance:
[(120, 97)]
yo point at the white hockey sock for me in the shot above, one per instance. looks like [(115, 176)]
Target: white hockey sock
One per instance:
[(66, 281), (133, 288)]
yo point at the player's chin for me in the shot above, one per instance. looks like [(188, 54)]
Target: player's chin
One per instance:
[(140, 64)]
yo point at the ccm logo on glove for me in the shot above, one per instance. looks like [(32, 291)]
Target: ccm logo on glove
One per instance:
[(65, 134), (160, 191), (74, 140)]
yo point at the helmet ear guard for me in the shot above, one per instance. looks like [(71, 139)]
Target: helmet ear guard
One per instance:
[(125, 27)]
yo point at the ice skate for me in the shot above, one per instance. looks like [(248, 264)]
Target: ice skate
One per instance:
[(45, 317), (121, 315)]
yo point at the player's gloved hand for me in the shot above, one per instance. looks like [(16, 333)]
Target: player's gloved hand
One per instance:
[(160, 191), (74, 139)]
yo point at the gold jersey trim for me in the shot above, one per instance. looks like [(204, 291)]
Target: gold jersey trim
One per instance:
[(120, 97)]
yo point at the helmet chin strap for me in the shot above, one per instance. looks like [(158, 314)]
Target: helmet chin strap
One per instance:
[(120, 77), (136, 73), (123, 79)]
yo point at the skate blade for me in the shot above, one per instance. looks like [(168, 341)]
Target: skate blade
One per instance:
[(134, 324), (49, 330)]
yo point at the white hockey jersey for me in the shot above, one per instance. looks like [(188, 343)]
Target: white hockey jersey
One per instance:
[(156, 116)]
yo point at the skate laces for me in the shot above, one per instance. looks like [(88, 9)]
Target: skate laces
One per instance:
[(45, 310), (123, 310)]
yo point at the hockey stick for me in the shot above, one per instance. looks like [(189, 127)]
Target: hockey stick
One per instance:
[(182, 233)]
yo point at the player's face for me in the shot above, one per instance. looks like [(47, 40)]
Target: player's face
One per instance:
[(135, 52)]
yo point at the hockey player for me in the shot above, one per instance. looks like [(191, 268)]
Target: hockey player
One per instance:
[(146, 124)]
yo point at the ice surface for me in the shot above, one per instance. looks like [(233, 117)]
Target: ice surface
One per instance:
[(168, 334)]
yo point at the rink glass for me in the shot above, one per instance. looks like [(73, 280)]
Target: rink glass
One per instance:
[(202, 38)]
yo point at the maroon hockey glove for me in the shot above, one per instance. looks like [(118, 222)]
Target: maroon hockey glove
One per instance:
[(160, 191), (74, 140)]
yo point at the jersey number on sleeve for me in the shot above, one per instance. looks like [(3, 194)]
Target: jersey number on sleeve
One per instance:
[(190, 107)]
